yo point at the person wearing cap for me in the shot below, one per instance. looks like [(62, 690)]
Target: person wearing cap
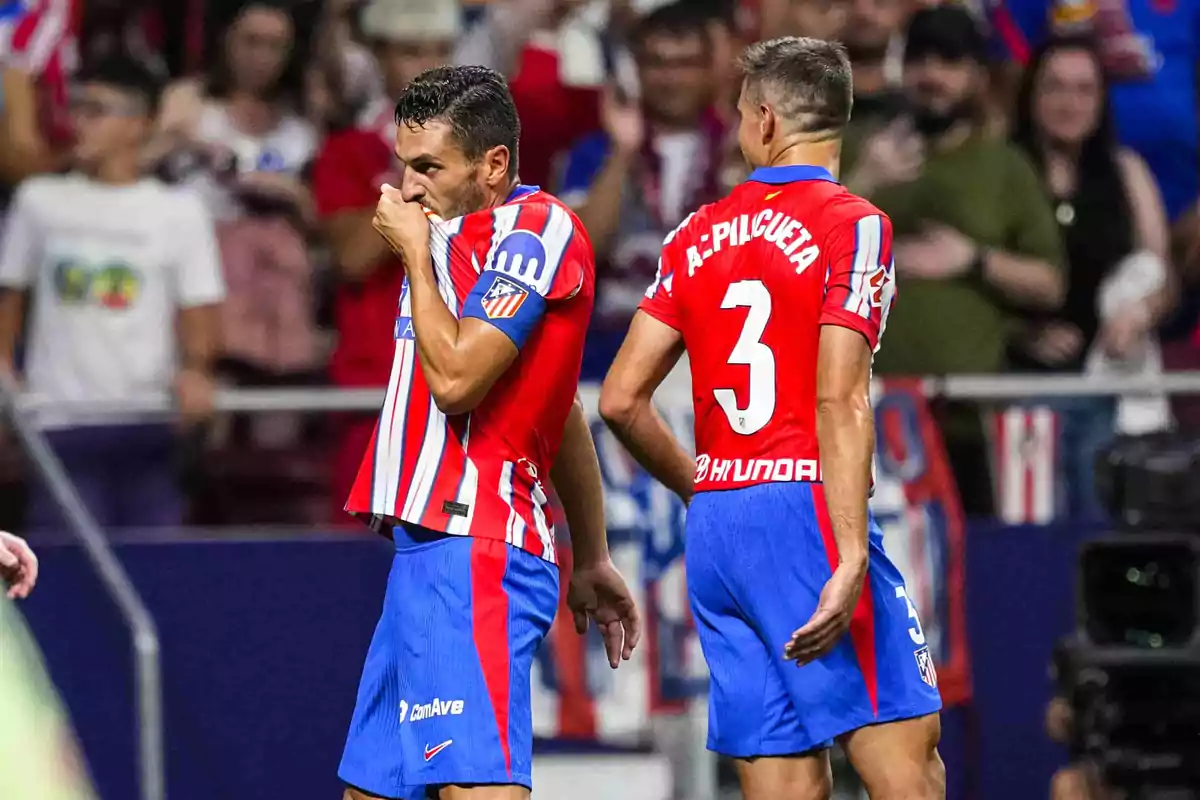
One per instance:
[(408, 37), (976, 238)]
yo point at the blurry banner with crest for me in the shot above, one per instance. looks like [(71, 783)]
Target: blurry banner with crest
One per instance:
[(576, 694)]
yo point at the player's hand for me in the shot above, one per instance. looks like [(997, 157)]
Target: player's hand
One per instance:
[(195, 395), (18, 566), (623, 121), (939, 252), (405, 226), (831, 620), (598, 592)]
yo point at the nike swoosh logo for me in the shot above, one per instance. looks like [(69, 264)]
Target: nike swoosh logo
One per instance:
[(772, 195), (430, 752)]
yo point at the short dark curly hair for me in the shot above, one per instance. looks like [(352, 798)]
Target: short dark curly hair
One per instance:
[(473, 101)]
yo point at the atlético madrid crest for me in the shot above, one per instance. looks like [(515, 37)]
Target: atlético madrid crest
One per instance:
[(504, 298)]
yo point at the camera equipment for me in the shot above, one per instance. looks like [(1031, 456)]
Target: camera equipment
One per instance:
[(1131, 672), (1152, 482)]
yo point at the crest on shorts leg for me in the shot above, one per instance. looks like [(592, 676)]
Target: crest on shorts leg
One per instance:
[(925, 666)]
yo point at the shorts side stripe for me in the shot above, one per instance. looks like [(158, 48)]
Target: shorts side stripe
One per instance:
[(489, 603), (862, 624)]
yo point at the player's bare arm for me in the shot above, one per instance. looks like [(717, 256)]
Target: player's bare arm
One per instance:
[(461, 359), (597, 590), (846, 439), (648, 354)]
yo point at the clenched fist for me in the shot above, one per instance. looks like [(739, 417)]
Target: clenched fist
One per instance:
[(405, 226)]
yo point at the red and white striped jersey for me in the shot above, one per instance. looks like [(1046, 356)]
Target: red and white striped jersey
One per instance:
[(40, 40), (526, 267), (749, 281)]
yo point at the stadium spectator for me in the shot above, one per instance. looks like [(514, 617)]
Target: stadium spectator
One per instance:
[(1150, 50), (344, 65), (658, 158), (116, 263), (820, 19), (120, 27), (409, 36), (975, 234), (250, 148), (552, 54), (874, 39), (39, 52), (1114, 230)]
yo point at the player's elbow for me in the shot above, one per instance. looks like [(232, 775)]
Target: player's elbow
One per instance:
[(843, 402), (454, 397), (617, 407)]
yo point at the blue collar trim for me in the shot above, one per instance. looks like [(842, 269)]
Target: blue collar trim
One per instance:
[(791, 174), (520, 191)]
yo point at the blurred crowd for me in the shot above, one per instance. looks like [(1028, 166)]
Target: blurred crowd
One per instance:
[(187, 193)]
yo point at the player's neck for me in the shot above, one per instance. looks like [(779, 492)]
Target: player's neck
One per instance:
[(826, 154), (502, 193)]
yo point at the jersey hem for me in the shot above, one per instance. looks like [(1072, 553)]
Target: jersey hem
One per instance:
[(698, 488), (383, 524)]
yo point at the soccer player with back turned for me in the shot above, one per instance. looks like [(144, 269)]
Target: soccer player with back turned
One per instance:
[(779, 294), (480, 408)]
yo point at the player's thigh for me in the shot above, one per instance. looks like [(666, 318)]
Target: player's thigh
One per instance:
[(772, 557), (882, 670), (445, 694), (899, 760), (804, 776), (750, 711)]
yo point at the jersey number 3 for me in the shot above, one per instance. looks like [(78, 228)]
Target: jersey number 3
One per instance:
[(751, 352)]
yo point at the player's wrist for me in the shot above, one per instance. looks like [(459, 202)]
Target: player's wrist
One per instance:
[(587, 557), (855, 561)]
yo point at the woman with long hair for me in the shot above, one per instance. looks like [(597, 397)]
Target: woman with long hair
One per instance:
[(1114, 230), (239, 136)]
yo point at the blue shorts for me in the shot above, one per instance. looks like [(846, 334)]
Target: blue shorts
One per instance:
[(757, 559), (445, 691)]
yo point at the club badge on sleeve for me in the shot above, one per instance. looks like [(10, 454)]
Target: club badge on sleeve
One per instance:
[(504, 298)]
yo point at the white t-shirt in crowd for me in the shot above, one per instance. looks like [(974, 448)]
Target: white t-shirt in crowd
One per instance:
[(109, 267), (679, 155), (287, 149)]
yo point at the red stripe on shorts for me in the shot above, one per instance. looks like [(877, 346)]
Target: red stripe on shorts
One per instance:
[(489, 603), (862, 624)]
